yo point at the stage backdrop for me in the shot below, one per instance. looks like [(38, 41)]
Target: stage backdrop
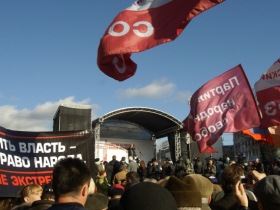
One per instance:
[(29, 157)]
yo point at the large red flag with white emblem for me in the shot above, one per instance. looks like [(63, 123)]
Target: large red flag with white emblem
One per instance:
[(145, 24), (224, 104), (268, 94)]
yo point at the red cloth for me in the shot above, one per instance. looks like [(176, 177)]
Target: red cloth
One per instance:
[(268, 95), (145, 24), (224, 104)]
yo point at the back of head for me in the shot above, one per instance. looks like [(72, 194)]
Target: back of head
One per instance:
[(267, 190), (31, 193), (203, 185), (186, 195), (48, 192), (132, 177), (147, 195), (230, 176), (69, 176), (97, 201)]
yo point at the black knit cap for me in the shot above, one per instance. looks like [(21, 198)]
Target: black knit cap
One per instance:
[(267, 191), (148, 196)]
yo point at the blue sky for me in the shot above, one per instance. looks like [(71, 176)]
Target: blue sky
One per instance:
[(48, 52)]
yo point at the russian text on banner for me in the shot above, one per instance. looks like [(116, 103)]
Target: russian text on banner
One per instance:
[(268, 95), (143, 25), (29, 157), (224, 104)]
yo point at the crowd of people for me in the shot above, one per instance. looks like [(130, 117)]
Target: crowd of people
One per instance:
[(134, 185)]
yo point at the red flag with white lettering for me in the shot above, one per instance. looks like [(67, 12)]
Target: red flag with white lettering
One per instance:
[(145, 24), (224, 104), (268, 95)]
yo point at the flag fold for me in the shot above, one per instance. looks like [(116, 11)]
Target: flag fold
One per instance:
[(224, 104), (145, 24)]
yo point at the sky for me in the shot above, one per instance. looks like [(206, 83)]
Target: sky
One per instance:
[(48, 53)]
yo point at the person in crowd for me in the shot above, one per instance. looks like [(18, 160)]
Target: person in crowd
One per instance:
[(5, 203), (147, 195), (123, 162), (47, 199), (132, 178), (210, 170), (186, 195), (189, 167), (230, 179), (203, 185), (102, 183), (97, 201), (259, 166), (29, 194), (180, 168), (115, 194), (98, 166), (115, 165), (132, 166), (267, 190), (120, 177), (154, 170), (198, 166), (131, 151), (168, 168), (71, 180), (142, 171)]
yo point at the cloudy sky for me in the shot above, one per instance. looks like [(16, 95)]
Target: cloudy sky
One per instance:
[(48, 52)]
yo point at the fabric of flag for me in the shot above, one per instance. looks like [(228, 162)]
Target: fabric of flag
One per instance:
[(143, 25), (224, 104), (268, 95), (275, 135), (259, 134)]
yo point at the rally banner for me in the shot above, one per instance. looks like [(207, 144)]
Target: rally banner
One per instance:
[(224, 104), (143, 25), (29, 157), (268, 95)]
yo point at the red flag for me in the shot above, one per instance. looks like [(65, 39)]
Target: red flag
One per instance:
[(268, 95), (145, 24), (224, 104)]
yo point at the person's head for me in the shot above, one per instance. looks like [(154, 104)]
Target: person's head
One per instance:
[(132, 177), (114, 157), (123, 159), (203, 185), (123, 167), (142, 164), (230, 176), (31, 193), (71, 179), (267, 191), (147, 195), (130, 158), (48, 192), (186, 195), (102, 173), (97, 201)]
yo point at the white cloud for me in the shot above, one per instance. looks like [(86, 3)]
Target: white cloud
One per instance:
[(183, 97), (157, 89), (38, 119)]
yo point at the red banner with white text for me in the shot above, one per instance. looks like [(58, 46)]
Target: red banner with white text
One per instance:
[(268, 95), (29, 157), (224, 104), (143, 25)]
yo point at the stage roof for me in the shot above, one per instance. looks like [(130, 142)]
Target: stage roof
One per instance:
[(151, 121)]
